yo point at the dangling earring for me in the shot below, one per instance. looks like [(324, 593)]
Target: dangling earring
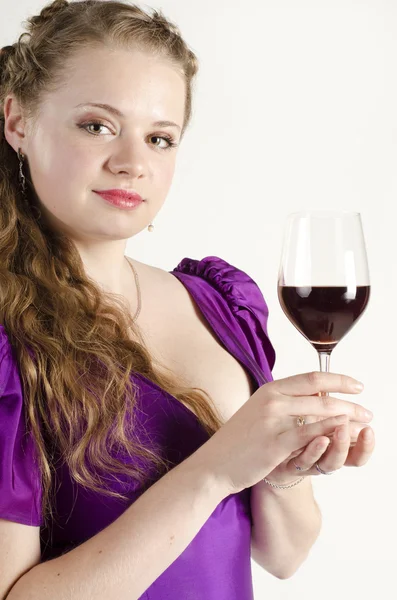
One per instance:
[(21, 176), (150, 227), (22, 180)]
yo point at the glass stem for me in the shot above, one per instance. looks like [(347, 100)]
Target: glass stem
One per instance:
[(324, 358)]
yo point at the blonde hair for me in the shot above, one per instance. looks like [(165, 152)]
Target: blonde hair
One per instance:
[(70, 338)]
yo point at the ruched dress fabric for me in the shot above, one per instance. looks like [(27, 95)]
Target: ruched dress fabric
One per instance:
[(216, 565)]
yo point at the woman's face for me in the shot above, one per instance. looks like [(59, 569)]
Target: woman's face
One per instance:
[(73, 150)]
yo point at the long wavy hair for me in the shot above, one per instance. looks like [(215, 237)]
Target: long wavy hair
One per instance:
[(76, 345)]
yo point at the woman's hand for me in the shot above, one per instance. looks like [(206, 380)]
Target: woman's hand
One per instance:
[(262, 437), (350, 446)]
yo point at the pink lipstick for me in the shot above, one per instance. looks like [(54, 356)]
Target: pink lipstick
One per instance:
[(121, 198)]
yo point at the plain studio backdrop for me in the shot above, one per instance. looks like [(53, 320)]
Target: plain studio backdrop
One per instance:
[(295, 109)]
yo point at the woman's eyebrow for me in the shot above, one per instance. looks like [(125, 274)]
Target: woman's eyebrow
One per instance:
[(118, 113)]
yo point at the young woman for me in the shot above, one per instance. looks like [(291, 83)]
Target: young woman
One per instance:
[(145, 450)]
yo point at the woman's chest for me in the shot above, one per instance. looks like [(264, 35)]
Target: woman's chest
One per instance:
[(206, 365), (180, 339)]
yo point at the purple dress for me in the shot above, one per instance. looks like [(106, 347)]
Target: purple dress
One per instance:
[(216, 565)]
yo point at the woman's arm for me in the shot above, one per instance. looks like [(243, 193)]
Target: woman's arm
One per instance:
[(125, 558), (286, 523)]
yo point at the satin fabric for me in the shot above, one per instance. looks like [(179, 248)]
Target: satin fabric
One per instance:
[(216, 565)]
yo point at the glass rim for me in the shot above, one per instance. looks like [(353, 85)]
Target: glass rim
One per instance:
[(323, 213)]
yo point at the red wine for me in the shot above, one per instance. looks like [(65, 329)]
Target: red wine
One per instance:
[(323, 314)]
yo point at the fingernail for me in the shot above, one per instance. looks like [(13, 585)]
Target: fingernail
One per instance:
[(368, 414), (358, 386)]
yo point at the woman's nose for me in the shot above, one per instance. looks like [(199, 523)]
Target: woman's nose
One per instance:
[(130, 159)]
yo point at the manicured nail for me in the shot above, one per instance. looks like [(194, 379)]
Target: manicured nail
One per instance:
[(358, 386)]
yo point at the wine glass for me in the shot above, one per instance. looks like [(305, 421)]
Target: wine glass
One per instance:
[(323, 282)]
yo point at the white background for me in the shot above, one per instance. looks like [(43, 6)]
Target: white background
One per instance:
[(295, 109)]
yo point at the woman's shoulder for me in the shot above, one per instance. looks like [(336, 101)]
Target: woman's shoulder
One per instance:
[(241, 294), (235, 285), (232, 282), (215, 282)]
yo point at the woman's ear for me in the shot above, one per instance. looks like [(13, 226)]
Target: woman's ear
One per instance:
[(15, 125)]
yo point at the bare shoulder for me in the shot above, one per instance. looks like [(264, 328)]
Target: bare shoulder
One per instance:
[(155, 275), (166, 307)]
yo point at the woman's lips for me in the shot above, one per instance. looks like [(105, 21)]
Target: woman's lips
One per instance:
[(121, 198)]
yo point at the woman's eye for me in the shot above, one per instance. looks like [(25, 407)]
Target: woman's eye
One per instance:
[(93, 123), (166, 142)]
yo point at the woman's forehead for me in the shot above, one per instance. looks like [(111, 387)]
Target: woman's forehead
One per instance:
[(127, 79)]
